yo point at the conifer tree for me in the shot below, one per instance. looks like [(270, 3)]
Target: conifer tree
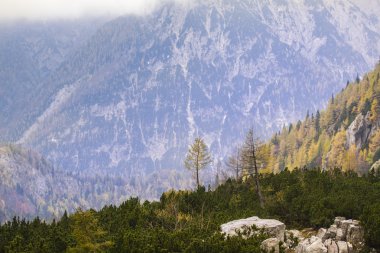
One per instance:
[(250, 159), (198, 158)]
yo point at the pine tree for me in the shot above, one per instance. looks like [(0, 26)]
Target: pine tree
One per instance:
[(317, 125), (357, 78), (198, 158)]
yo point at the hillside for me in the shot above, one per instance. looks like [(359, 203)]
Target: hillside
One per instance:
[(345, 135), (126, 97), (30, 186), (187, 221)]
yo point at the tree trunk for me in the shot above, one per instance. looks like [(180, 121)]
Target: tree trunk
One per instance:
[(237, 165), (197, 169), (258, 190)]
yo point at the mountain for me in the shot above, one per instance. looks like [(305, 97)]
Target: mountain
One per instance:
[(345, 135), (31, 187), (130, 97), (30, 52)]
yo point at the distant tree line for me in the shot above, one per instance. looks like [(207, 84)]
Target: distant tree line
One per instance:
[(188, 221)]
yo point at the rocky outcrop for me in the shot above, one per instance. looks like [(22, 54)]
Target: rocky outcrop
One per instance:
[(273, 228), (344, 236), (338, 246), (311, 245), (359, 131), (271, 245)]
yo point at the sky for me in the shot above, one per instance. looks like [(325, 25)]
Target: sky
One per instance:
[(48, 9), (57, 9)]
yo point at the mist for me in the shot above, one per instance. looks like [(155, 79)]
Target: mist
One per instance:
[(73, 9)]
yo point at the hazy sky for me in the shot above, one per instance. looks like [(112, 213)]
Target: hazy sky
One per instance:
[(45, 9)]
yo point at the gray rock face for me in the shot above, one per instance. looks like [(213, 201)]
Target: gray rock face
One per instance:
[(355, 235), (311, 245), (271, 245), (338, 246), (274, 228), (322, 234), (359, 131), (331, 245), (344, 247)]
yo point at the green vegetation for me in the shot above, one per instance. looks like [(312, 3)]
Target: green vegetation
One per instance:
[(185, 221)]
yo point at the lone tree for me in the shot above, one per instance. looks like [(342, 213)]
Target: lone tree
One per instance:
[(198, 157), (250, 160)]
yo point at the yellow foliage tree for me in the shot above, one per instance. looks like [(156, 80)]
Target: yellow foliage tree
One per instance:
[(338, 150), (350, 161), (374, 110)]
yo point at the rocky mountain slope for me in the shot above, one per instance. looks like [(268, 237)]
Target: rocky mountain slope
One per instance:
[(346, 135), (130, 99), (31, 187)]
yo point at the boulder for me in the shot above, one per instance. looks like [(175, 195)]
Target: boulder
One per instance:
[(344, 247), (338, 221), (293, 237), (311, 245), (340, 235), (273, 228), (355, 235), (322, 233), (331, 246), (338, 247), (271, 245), (294, 233), (332, 231)]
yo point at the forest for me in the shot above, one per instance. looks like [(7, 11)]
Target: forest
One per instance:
[(188, 221), (346, 134)]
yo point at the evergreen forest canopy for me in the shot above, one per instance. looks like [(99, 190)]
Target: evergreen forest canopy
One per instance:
[(185, 221), (189, 221)]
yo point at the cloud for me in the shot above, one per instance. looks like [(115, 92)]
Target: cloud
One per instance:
[(57, 9)]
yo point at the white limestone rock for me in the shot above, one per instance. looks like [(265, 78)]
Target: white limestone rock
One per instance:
[(271, 245), (311, 245), (322, 233), (338, 221), (274, 228)]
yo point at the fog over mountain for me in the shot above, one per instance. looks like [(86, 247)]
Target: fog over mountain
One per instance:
[(125, 96)]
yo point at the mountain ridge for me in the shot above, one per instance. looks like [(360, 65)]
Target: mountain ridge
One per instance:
[(135, 94)]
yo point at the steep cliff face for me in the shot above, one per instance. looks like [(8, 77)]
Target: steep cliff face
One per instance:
[(131, 98), (360, 130)]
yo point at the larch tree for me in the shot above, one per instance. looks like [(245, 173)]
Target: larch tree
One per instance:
[(251, 160), (198, 157)]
